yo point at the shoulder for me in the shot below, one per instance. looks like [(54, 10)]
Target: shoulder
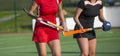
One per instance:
[(81, 2), (59, 1), (86, 2), (37, 1), (99, 2)]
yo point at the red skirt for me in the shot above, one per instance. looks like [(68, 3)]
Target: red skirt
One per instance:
[(43, 33)]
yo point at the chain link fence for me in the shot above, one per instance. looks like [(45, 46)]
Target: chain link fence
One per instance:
[(6, 5)]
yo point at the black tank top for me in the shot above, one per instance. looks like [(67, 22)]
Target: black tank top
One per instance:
[(88, 14)]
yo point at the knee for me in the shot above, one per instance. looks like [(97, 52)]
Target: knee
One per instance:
[(84, 54), (42, 54), (92, 53), (56, 54)]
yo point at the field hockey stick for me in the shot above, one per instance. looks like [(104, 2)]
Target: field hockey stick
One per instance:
[(48, 23), (67, 33)]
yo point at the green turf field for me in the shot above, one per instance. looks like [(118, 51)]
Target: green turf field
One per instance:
[(108, 44)]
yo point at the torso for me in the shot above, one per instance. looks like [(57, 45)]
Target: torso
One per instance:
[(48, 9), (90, 11)]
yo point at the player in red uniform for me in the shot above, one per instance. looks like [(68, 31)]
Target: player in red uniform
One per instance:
[(43, 35)]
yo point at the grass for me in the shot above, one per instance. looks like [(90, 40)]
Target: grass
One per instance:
[(20, 44)]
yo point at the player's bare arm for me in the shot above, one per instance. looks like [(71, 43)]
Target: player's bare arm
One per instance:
[(76, 16), (33, 7), (61, 16), (101, 16)]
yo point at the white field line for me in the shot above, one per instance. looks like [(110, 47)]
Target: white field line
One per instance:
[(70, 42), (15, 47), (8, 18), (64, 43), (108, 39)]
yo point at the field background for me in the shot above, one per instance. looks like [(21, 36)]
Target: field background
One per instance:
[(13, 19), (20, 44), (16, 32)]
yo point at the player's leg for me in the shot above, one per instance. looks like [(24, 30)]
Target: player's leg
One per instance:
[(92, 47), (83, 45), (55, 47), (41, 48)]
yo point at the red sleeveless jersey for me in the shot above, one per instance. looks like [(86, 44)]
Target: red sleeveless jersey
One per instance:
[(47, 10)]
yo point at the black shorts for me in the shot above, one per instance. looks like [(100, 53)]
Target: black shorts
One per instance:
[(90, 35)]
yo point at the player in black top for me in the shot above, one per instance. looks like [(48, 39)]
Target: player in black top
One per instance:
[(86, 11)]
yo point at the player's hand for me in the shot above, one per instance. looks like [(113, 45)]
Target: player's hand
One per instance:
[(64, 26), (38, 19), (81, 28)]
